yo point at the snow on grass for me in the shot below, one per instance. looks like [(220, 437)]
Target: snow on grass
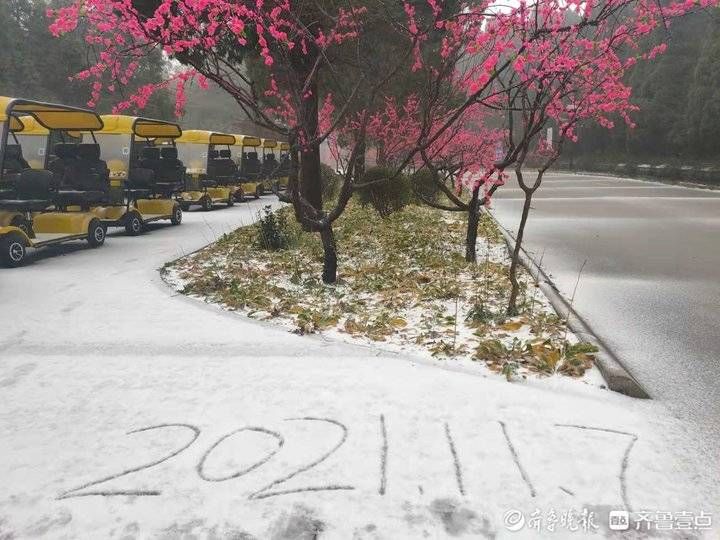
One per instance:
[(403, 284)]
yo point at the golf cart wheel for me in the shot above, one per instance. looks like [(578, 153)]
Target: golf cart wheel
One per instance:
[(206, 203), (133, 224), (23, 224), (176, 218), (259, 191), (96, 233), (12, 247), (185, 206)]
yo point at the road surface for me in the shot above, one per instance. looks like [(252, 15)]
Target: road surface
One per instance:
[(651, 284), (129, 411)]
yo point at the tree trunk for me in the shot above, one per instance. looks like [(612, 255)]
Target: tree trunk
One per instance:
[(472, 226), (310, 182), (360, 161), (514, 284), (381, 160), (327, 236)]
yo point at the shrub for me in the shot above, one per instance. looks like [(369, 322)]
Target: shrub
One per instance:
[(330, 181), (423, 184), (272, 230), (384, 193)]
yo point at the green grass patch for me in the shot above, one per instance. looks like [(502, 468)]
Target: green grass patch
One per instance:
[(403, 280)]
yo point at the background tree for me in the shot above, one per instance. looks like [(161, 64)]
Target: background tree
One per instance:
[(35, 65), (449, 173), (677, 96), (703, 103)]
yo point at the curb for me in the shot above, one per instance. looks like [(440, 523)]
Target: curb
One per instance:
[(651, 179), (618, 378)]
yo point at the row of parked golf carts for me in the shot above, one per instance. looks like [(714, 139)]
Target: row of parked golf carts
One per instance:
[(68, 173)]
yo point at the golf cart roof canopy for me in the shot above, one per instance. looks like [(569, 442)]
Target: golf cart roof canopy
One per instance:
[(284, 146), (50, 115), (147, 128), (16, 125), (32, 126), (247, 140), (269, 143), (198, 136)]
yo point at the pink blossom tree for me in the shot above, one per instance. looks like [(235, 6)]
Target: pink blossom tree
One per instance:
[(566, 79), (459, 163), (279, 60)]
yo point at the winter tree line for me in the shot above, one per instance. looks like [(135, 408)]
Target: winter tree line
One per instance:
[(679, 99)]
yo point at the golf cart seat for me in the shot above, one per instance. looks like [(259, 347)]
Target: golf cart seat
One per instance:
[(24, 205), (227, 161), (167, 170), (90, 172), (214, 167), (14, 162), (171, 177), (213, 157), (173, 170), (139, 182), (85, 180), (251, 166), (284, 169), (76, 197), (150, 158), (63, 157), (143, 178), (270, 166), (33, 192), (222, 167)]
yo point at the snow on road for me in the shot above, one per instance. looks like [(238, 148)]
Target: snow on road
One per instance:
[(649, 287), (130, 412)]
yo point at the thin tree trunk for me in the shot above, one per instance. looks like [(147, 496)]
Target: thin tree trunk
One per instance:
[(472, 226), (310, 182), (360, 161), (515, 285), (287, 197), (327, 236), (381, 160)]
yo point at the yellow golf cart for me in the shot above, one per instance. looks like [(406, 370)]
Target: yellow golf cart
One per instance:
[(245, 155), (143, 177), (211, 172), (40, 195), (30, 149)]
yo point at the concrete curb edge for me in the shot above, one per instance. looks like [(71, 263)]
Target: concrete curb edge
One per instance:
[(618, 378)]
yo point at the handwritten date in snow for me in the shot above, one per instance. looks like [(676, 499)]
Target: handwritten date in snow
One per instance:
[(325, 452)]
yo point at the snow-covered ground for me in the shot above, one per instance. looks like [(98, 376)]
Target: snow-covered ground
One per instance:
[(428, 324), (131, 412)]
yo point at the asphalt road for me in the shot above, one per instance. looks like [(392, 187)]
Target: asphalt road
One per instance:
[(651, 284)]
